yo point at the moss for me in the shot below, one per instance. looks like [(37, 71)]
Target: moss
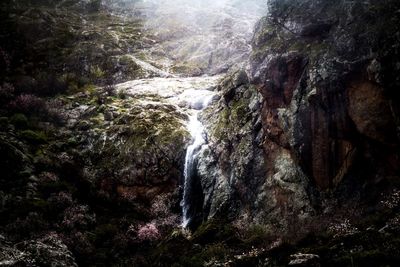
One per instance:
[(33, 137), (72, 141), (156, 126), (125, 60), (187, 68), (239, 110), (20, 121), (98, 120), (231, 118)]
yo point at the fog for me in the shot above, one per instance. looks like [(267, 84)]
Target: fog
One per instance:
[(205, 12), (202, 35)]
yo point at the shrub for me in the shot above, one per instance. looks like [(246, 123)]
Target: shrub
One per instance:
[(122, 94), (79, 243), (53, 114), (159, 207), (148, 232), (60, 201), (19, 121), (26, 226), (28, 104), (78, 217), (110, 90)]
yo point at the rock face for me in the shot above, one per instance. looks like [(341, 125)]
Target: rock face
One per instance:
[(310, 118), (243, 176)]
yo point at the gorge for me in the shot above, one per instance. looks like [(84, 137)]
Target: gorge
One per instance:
[(199, 133)]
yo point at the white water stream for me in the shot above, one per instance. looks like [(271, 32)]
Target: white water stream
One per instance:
[(196, 130)]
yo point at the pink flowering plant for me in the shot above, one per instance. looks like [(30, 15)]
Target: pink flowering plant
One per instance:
[(148, 232)]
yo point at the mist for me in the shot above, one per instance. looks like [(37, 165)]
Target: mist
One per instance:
[(198, 36)]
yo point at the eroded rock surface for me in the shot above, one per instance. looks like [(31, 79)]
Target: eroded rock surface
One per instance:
[(310, 119)]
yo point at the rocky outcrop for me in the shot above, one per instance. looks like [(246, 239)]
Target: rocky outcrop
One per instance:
[(231, 167), (312, 117), (145, 137)]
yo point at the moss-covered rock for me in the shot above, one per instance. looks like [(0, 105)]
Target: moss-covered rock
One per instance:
[(33, 137), (20, 121)]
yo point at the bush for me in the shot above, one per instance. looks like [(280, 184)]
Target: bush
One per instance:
[(148, 232), (19, 121), (78, 217), (28, 104), (110, 90), (122, 94)]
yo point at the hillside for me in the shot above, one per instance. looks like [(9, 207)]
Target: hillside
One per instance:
[(199, 133)]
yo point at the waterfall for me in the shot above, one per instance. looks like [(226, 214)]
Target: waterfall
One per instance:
[(196, 129)]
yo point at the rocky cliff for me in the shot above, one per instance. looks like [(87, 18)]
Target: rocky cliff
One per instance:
[(310, 124)]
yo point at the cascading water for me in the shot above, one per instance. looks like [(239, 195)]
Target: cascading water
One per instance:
[(196, 130), (190, 95)]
